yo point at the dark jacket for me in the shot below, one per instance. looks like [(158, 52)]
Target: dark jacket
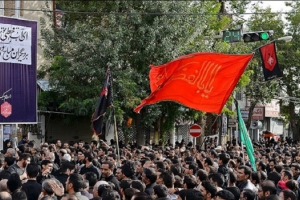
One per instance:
[(115, 181), (149, 188), (32, 189)]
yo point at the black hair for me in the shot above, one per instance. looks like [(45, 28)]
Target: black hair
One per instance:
[(274, 176), (150, 174), (209, 161), (110, 195), (190, 181), (217, 178), (194, 167), (249, 194), (91, 177), (235, 191), (210, 188), (141, 196), (102, 188), (125, 183), (32, 170), (288, 194), (66, 165), (160, 165), (14, 182), (225, 194), (77, 181), (128, 169), (168, 178), (191, 194), (247, 170), (176, 170), (45, 162), (129, 192), (139, 185), (255, 177), (24, 156), (202, 174), (160, 190), (224, 158)]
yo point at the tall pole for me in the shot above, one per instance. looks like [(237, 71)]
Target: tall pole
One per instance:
[(115, 122)]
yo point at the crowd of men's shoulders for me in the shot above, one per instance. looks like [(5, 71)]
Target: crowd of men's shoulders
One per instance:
[(79, 170)]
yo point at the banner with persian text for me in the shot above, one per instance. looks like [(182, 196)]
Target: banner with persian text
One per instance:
[(18, 64)]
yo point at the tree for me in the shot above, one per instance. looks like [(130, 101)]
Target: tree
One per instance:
[(127, 36), (259, 91), (290, 83)]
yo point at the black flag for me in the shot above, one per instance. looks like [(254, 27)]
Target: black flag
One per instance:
[(270, 62), (105, 101)]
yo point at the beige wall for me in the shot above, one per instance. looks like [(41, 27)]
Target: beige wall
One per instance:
[(35, 16), (29, 15)]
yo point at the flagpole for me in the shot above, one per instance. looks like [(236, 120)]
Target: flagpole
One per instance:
[(242, 146), (115, 124)]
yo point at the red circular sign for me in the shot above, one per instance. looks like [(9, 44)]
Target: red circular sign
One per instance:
[(195, 130), (6, 109)]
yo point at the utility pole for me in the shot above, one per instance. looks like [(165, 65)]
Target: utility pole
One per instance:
[(220, 123)]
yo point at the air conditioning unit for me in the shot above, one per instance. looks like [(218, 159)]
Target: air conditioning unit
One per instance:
[(256, 124)]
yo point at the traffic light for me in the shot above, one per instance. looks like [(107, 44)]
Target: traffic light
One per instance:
[(230, 36), (257, 36)]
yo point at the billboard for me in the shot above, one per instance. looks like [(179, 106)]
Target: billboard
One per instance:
[(18, 64)]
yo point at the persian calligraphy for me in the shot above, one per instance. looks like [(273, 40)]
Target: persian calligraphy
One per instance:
[(5, 95), (15, 44), (202, 77)]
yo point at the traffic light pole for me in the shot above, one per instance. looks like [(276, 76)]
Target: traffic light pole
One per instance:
[(285, 38)]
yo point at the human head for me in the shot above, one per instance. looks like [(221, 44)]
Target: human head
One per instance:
[(110, 195), (95, 188), (5, 195), (24, 159), (287, 195), (47, 165), (32, 170), (191, 194), (224, 195), (141, 196), (266, 189), (160, 190), (74, 183), (129, 192), (139, 185), (189, 182), (243, 173), (14, 182), (247, 194), (107, 168), (208, 189), (46, 187), (149, 176)]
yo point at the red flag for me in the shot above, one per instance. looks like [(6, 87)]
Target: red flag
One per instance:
[(270, 62), (104, 101), (202, 81)]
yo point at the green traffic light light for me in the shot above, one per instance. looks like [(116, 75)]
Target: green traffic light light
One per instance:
[(264, 36)]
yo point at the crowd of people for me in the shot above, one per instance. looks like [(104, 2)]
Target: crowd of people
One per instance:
[(98, 170)]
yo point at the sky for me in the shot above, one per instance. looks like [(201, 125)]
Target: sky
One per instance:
[(276, 5)]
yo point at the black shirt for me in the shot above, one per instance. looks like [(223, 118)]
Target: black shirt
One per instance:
[(32, 189)]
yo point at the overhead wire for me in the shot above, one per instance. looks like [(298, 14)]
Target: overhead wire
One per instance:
[(144, 13)]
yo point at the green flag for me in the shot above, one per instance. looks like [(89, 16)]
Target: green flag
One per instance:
[(245, 139)]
